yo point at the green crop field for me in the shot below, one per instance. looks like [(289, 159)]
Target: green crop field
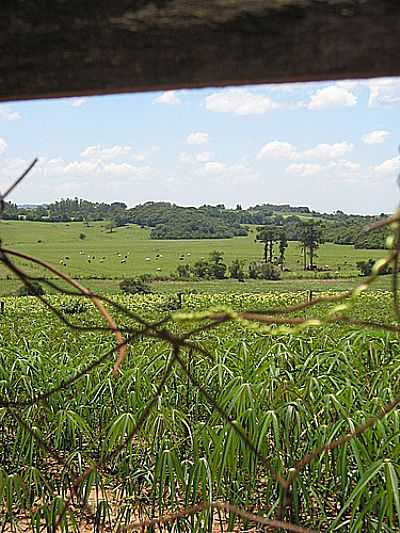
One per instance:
[(128, 251), (224, 401), (257, 401)]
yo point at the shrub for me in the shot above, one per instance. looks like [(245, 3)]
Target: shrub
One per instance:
[(183, 271), (201, 269), (35, 289), (365, 268), (82, 236), (236, 270), (264, 271), (134, 286)]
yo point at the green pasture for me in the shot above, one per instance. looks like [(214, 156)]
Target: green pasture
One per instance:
[(128, 251)]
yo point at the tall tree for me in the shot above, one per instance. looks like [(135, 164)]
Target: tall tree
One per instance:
[(267, 235), (311, 238), (270, 235), (283, 244)]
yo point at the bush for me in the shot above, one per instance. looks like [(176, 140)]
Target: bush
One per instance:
[(264, 271), (365, 268), (183, 271), (82, 236), (135, 286), (35, 289), (236, 270)]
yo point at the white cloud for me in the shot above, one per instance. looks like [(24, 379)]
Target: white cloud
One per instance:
[(127, 170), (388, 168), (350, 166), (78, 102), (168, 98), (198, 137), (6, 113), (222, 173), (375, 137), (93, 168), (240, 102), (203, 157), (97, 152), (334, 170), (3, 145), (285, 150), (331, 97), (304, 169), (327, 151), (278, 150), (383, 92), (214, 167)]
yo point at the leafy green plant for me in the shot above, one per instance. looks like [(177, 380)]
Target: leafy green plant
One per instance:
[(33, 289), (134, 286)]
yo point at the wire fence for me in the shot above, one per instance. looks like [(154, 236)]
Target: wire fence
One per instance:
[(277, 321)]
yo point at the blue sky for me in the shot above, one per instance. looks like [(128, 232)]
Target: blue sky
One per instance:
[(331, 145)]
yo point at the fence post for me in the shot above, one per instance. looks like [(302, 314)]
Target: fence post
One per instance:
[(180, 299)]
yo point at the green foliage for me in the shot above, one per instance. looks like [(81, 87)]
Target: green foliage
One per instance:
[(34, 289), (169, 221), (311, 238), (365, 268), (272, 237), (258, 270), (289, 394), (135, 286), (236, 269), (183, 271), (82, 236)]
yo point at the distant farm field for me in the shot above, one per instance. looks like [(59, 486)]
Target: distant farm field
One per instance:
[(128, 251)]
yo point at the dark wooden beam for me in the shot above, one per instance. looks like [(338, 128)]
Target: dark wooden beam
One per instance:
[(53, 48)]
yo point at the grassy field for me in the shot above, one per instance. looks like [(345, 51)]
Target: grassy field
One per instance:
[(128, 251)]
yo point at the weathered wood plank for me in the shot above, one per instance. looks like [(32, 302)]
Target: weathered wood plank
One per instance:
[(78, 47)]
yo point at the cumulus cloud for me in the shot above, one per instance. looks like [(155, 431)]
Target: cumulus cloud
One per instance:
[(240, 102), (218, 172), (7, 113), (278, 150), (197, 137), (285, 150), (78, 102), (331, 97), (334, 170), (375, 137), (327, 151), (214, 167), (388, 168), (3, 145), (304, 169), (168, 98), (384, 92), (97, 152), (91, 169)]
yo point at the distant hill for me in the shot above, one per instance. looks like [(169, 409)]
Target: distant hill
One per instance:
[(170, 221)]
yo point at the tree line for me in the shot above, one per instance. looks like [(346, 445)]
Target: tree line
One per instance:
[(170, 221)]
